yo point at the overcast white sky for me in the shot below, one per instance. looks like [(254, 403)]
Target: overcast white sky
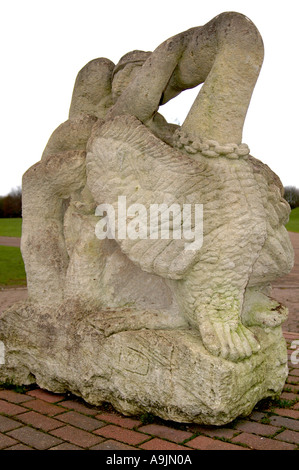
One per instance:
[(45, 43)]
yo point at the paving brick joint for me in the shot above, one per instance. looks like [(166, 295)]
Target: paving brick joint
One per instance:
[(36, 419)]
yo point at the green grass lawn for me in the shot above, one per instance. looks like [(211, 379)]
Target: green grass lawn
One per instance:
[(293, 224), (10, 227), (12, 270)]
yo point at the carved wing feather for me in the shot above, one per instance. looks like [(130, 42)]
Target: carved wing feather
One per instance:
[(126, 159), (277, 255)]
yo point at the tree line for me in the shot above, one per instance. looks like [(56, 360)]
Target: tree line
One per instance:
[(11, 205), (291, 194)]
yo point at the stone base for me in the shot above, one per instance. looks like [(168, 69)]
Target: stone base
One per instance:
[(165, 372)]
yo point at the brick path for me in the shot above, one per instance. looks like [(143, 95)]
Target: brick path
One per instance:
[(286, 289), (10, 241), (39, 420)]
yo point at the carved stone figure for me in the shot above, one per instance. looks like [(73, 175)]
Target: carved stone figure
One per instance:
[(151, 323)]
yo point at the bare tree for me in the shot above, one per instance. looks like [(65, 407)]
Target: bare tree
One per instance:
[(291, 194), (11, 205)]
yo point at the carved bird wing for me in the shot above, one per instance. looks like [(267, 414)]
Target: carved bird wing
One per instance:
[(125, 159), (277, 256)]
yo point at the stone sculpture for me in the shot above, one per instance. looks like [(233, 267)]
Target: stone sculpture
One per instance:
[(143, 322)]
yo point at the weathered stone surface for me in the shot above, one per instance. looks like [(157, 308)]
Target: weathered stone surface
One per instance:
[(164, 371), (185, 329)]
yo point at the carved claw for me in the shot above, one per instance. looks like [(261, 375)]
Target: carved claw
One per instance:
[(267, 318), (233, 343), (261, 310)]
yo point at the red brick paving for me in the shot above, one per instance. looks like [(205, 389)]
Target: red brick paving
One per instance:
[(256, 428), (119, 420), (43, 407), (160, 444), (77, 436), (19, 447), (288, 436), (206, 443), (166, 432), (65, 446), (10, 408), (213, 431), (39, 421), (292, 379), (286, 412), (124, 435), (80, 407), (8, 424), (6, 441), (34, 438), (110, 444), (14, 397), (80, 421), (285, 422), (46, 396), (262, 443)]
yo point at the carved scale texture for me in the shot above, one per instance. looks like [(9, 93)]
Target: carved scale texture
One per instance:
[(239, 198)]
